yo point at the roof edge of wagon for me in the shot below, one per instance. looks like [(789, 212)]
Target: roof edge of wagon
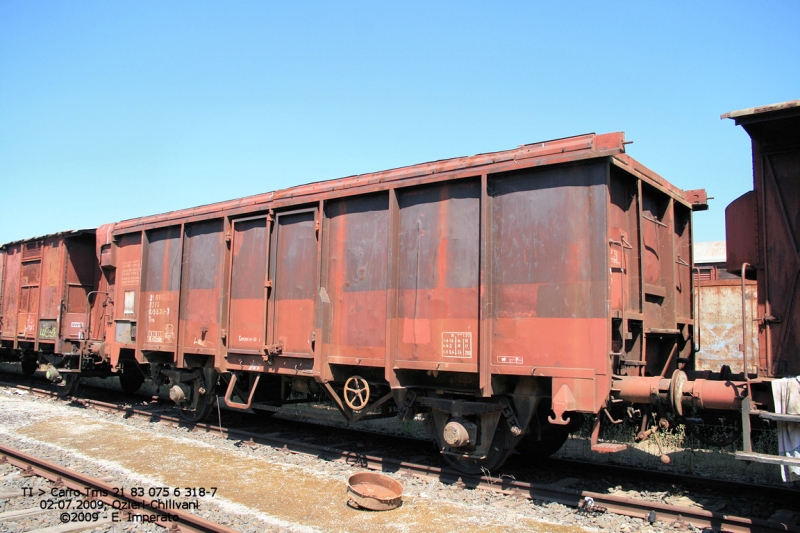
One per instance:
[(73, 232), (752, 112), (562, 150)]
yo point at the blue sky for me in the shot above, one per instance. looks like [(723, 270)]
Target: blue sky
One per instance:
[(114, 110)]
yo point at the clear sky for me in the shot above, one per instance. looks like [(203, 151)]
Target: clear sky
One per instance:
[(114, 110)]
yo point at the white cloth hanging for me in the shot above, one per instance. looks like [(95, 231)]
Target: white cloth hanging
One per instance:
[(786, 394)]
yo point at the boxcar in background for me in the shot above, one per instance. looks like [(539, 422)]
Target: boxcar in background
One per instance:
[(719, 316), (763, 243), (763, 233), (49, 286)]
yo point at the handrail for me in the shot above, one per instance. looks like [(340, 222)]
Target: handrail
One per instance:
[(744, 327), (3, 258), (697, 340)]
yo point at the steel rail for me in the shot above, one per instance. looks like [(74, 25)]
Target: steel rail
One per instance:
[(646, 510), (769, 491), (94, 488)]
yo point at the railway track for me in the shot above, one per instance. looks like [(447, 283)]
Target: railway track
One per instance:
[(84, 502), (559, 491)]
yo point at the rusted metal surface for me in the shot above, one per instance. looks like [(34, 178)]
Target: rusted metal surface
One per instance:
[(201, 280), (438, 278), (3, 257), (721, 326), (772, 246), (374, 491), (159, 301), (293, 271), (124, 274), (12, 257), (356, 237), (248, 290), (502, 264), (741, 228), (46, 284), (681, 394), (544, 315), (82, 313), (544, 270)]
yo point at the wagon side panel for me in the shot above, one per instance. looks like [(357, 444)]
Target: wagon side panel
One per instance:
[(438, 255), (159, 302), (775, 232), (30, 281), (80, 281), (294, 276), (125, 283), (548, 266), (201, 289), (625, 261), (247, 310), (51, 293), (11, 294), (780, 196), (356, 264)]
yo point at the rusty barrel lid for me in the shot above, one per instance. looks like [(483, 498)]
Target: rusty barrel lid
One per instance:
[(374, 491)]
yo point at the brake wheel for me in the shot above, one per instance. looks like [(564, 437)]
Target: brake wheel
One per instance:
[(356, 393)]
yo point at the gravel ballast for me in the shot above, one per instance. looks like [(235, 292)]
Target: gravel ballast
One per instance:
[(258, 488)]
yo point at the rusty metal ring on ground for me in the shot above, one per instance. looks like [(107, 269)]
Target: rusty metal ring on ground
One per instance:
[(356, 393)]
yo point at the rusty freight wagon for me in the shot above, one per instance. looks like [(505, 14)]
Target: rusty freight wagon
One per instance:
[(46, 296), (496, 295), (763, 243), (718, 297)]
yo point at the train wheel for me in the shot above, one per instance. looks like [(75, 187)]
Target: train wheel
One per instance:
[(130, 379), (542, 449), (29, 366), (199, 414), (502, 444), (200, 401), (68, 384)]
